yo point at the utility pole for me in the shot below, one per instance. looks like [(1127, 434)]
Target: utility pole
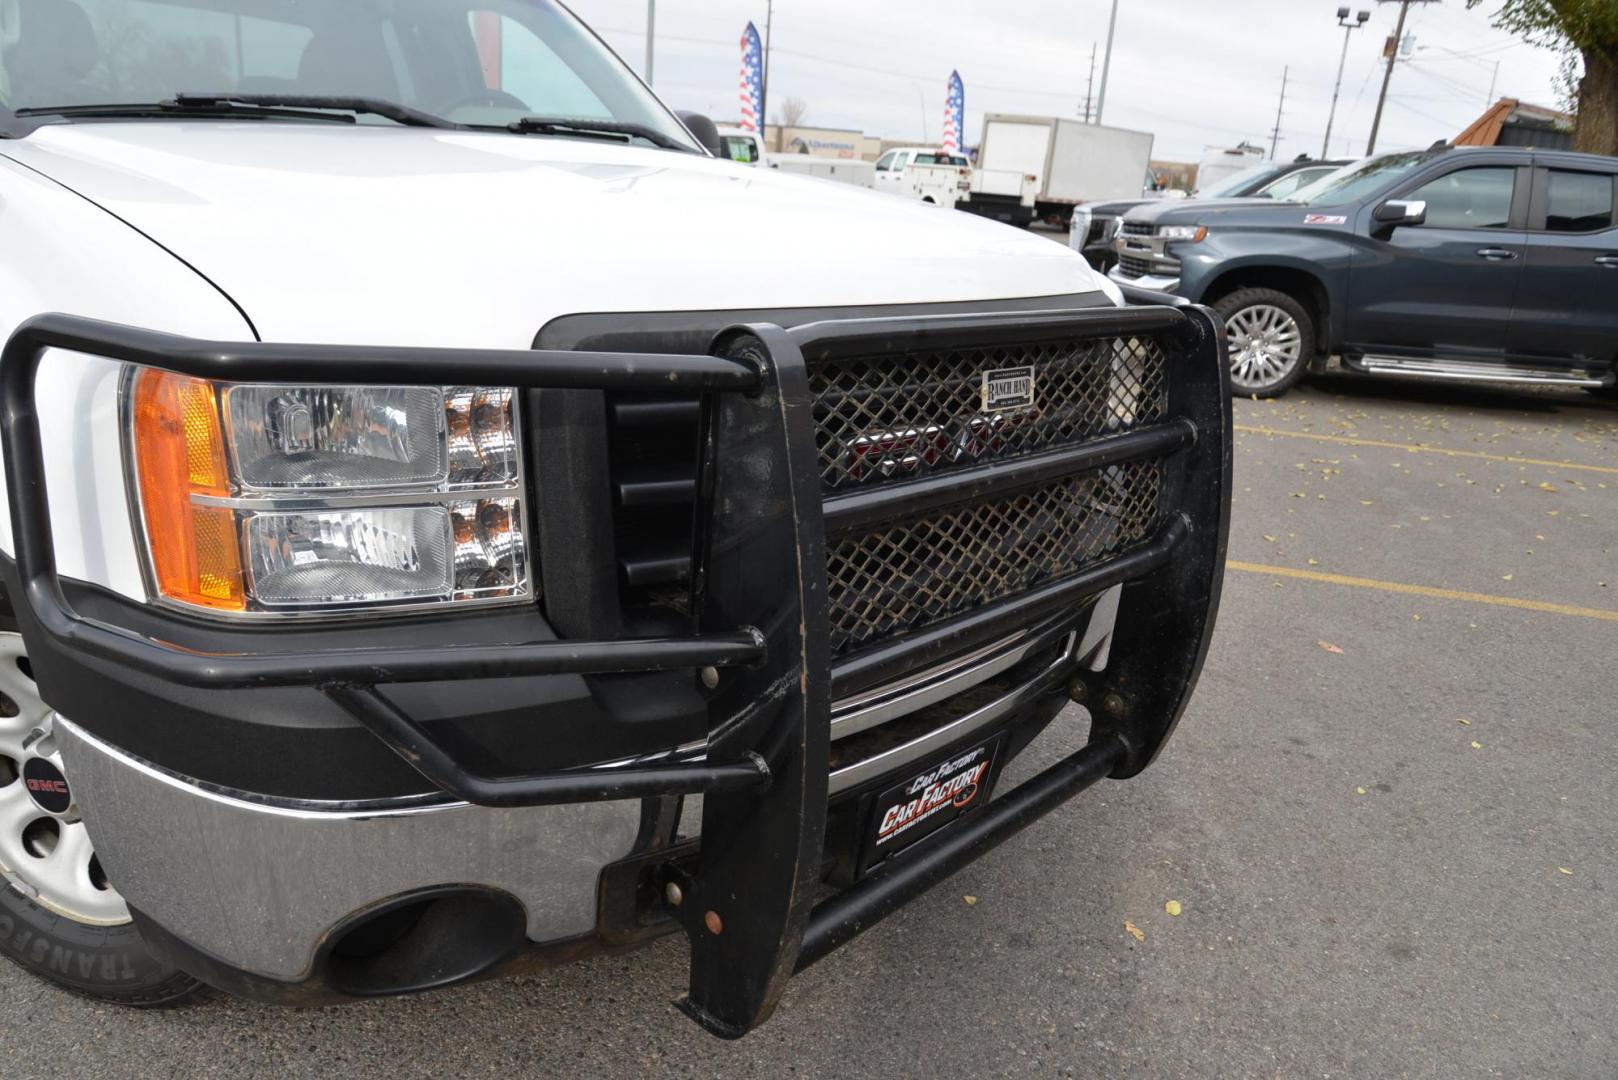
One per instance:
[(651, 37), (1280, 108), (1348, 32), (1393, 58), (1106, 63), (1090, 87), (764, 94)]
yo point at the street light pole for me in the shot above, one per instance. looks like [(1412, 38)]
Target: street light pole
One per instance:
[(651, 38), (1106, 64), (1348, 32)]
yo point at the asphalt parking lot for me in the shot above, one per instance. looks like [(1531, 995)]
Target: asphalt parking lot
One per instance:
[(1387, 820)]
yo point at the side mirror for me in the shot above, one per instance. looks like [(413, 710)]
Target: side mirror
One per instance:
[(1396, 212), (704, 131)]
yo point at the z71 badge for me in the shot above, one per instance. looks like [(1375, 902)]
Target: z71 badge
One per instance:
[(1008, 390)]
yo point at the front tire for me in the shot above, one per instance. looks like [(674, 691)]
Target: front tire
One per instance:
[(59, 916), (1272, 341)]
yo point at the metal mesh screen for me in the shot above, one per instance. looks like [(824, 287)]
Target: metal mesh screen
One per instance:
[(896, 417), (905, 575)]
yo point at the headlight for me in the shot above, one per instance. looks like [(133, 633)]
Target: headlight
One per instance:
[(1079, 229), (1194, 233), (273, 498)]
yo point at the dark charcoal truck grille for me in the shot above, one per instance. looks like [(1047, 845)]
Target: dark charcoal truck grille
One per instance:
[(906, 574), (895, 417), (1134, 266)]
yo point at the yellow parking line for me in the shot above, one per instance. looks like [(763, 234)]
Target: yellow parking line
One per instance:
[(1425, 590), (1417, 448)]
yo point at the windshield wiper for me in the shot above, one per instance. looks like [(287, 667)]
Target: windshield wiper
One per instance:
[(594, 129), (169, 110), (388, 110), (253, 106)]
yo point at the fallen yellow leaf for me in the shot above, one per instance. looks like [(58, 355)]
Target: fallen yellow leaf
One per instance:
[(1507, 577), (1135, 931), (1477, 745), (1565, 870), (971, 901), (1329, 647), (1173, 908), (1361, 791), (1271, 539), (1463, 720), (1548, 486)]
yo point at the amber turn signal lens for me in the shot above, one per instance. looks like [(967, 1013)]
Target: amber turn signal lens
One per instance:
[(180, 453)]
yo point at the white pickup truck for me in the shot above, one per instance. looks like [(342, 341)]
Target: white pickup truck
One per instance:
[(421, 483), (927, 175)]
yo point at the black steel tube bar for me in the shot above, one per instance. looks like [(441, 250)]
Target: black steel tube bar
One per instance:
[(35, 547), (879, 337), (412, 743), (923, 647), (888, 502)]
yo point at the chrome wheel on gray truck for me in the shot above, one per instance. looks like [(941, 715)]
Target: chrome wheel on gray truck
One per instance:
[(59, 916), (1271, 341)]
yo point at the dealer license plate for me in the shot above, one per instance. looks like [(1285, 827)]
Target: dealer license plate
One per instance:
[(929, 800)]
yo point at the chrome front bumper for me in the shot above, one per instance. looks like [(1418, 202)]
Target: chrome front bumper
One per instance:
[(259, 886), (1155, 282)]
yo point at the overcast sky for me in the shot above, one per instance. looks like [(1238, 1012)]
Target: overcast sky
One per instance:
[(1196, 73)]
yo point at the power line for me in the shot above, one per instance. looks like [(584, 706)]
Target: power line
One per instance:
[(1405, 105)]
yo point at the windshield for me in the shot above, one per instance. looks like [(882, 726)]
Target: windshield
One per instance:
[(1230, 185), (1353, 182), (477, 62)]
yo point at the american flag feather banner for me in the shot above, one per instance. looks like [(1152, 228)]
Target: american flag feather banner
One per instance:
[(752, 80), (954, 114)]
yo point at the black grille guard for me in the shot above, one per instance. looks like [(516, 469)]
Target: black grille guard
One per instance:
[(759, 590)]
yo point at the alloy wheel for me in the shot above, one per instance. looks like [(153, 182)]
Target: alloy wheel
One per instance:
[(1265, 347)]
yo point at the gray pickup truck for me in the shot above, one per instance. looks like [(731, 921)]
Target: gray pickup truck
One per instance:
[(1494, 265)]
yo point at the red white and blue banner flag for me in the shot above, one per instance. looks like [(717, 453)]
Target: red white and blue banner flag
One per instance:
[(752, 80), (954, 114)]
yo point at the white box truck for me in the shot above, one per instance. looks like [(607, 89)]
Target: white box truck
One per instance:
[(1037, 168)]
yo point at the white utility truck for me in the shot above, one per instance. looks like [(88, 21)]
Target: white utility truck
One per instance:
[(1222, 163), (924, 173), (843, 170), (1038, 168), (421, 481), (747, 148)]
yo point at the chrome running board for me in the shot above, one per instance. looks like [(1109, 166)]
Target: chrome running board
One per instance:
[(1475, 371)]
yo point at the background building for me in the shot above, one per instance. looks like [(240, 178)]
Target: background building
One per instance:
[(1510, 122)]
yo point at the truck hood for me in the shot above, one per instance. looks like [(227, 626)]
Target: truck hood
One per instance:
[(358, 234), (1201, 211)]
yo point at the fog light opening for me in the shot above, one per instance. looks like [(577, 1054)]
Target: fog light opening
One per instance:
[(424, 941)]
